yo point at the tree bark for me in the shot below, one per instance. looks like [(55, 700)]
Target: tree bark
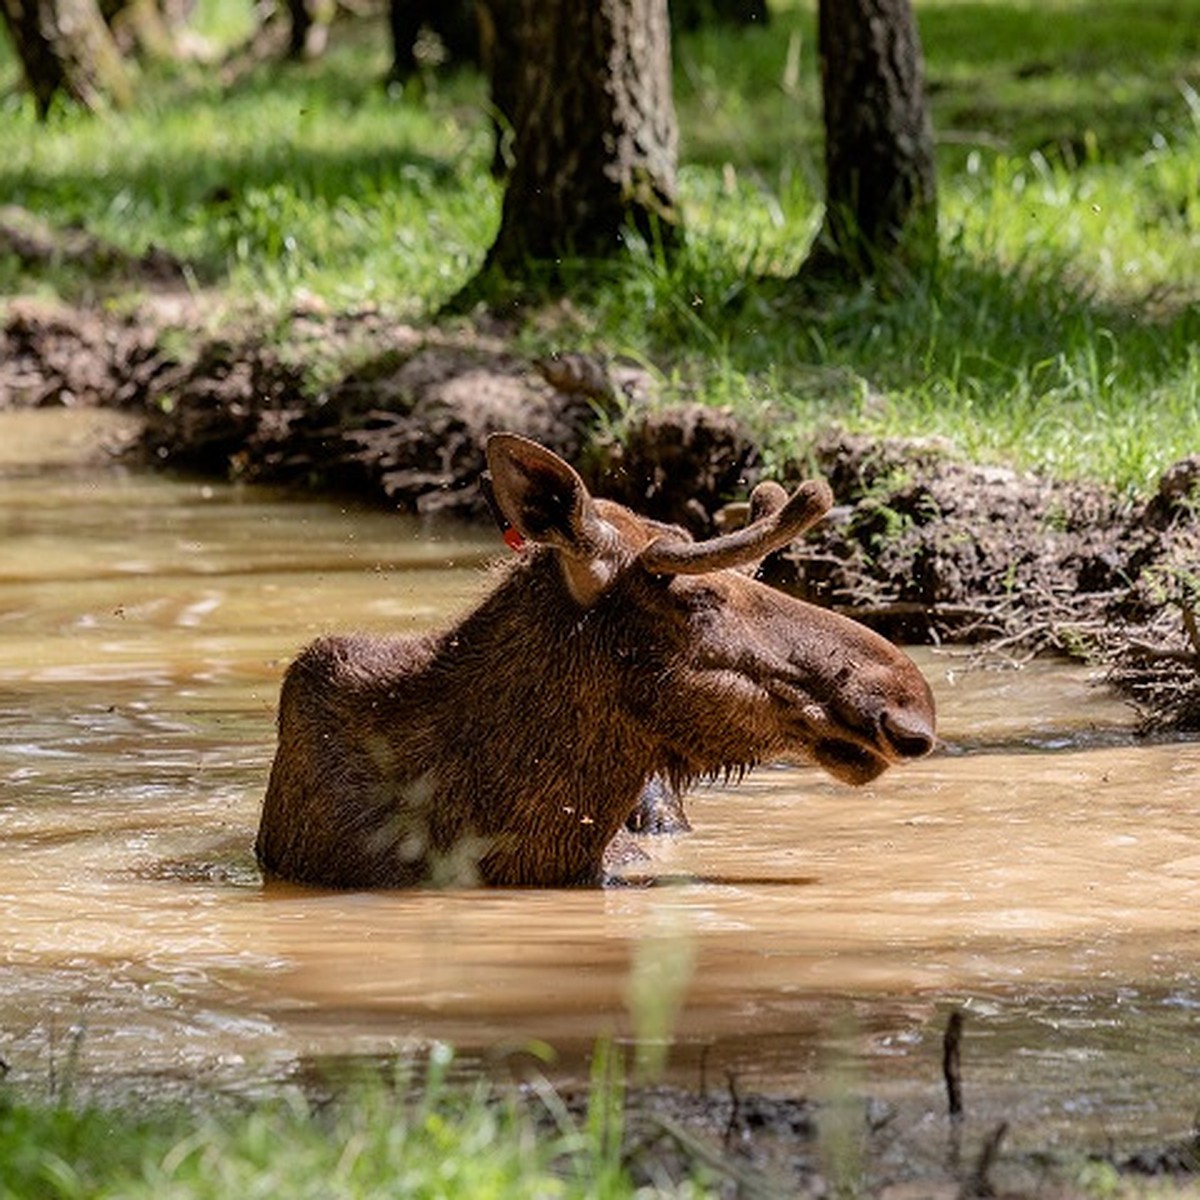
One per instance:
[(881, 189), (594, 147), (65, 46)]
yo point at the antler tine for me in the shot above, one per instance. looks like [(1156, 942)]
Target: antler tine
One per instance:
[(807, 505), (766, 500)]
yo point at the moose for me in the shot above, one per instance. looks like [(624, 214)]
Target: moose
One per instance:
[(510, 749)]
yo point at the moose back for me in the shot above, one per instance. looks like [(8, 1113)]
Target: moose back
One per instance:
[(511, 748)]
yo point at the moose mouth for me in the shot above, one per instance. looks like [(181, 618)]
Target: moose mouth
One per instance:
[(852, 745), (898, 739), (849, 761)]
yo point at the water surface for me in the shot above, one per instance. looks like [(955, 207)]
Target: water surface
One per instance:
[(1040, 872)]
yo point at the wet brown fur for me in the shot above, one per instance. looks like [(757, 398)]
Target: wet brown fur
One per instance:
[(510, 749)]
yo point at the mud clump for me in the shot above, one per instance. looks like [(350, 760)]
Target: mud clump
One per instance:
[(70, 358), (928, 548), (947, 550), (678, 465), (405, 428)]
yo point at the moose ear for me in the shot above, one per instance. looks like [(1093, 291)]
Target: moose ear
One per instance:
[(543, 497)]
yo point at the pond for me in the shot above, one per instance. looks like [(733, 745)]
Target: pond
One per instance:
[(1040, 872)]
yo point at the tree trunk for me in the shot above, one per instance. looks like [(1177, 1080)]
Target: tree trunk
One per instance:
[(692, 14), (454, 21), (593, 119), (881, 190), (64, 45)]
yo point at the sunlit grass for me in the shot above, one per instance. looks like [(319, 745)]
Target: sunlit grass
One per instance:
[(1060, 332), (292, 180)]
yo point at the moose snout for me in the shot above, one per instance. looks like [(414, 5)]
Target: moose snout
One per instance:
[(907, 734)]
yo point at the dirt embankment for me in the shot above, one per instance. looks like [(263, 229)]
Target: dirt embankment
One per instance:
[(922, 545)]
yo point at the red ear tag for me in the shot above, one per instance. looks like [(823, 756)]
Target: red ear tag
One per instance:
[(512, 539)]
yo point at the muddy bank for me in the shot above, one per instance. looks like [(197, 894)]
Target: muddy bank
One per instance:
[(752, 1144), (922, 545), (747, 1143)]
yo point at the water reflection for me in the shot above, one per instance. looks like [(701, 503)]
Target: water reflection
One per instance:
[(1041, 871)]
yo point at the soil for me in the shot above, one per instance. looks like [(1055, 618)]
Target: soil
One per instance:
[(756, 1145), (921, 544)]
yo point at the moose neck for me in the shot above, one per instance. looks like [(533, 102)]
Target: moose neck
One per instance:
[(552, 759)]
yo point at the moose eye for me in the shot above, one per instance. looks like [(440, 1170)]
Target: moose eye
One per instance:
[(659, 583)]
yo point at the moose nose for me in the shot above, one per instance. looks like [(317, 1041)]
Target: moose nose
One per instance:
[(909, 734)]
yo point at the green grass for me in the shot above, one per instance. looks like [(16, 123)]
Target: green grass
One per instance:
[(293, 178), (1060, 332), (438, 1140)]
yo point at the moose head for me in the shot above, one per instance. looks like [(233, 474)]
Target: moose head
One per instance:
[(510, 748)]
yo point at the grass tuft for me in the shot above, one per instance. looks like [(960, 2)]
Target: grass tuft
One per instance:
[(437, 1139)]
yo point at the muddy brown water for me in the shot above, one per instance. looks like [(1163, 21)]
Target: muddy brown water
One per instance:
[(1040, 872)]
